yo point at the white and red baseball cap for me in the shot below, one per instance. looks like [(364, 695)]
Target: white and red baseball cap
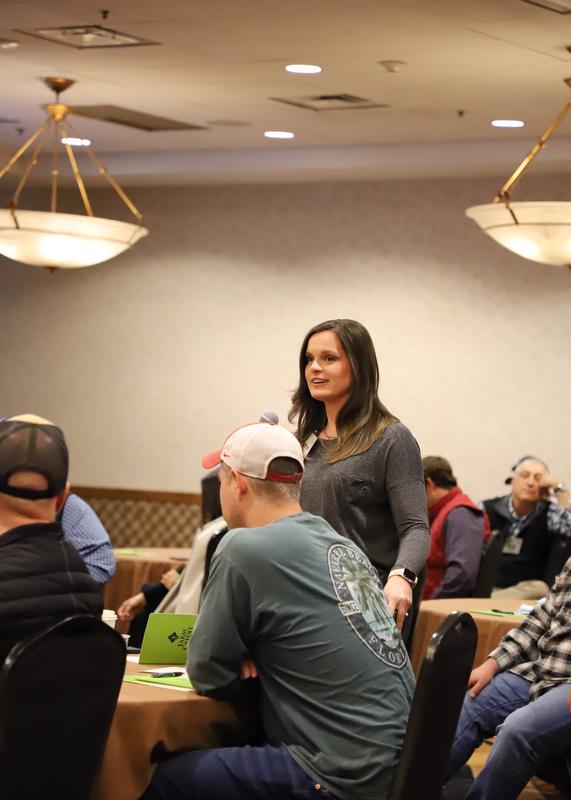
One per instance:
[(251, 448)]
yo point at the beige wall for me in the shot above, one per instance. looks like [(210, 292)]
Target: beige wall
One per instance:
[(148, 360)]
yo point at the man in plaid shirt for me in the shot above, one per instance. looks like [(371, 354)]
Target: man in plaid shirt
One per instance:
[(523, 687)]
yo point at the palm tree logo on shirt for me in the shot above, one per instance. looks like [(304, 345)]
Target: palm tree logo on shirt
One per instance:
[(363, 604)]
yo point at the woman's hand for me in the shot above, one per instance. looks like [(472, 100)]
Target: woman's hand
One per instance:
[(398, 592), (481, 676), (169, 578), (131, 606)]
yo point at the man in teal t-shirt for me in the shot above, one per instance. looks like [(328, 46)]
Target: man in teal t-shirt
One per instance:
[(299, 607)]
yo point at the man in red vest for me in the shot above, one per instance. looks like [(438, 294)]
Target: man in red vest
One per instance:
[(458, 529)]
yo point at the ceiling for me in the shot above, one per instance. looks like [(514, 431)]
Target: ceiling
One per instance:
[(218, 64)]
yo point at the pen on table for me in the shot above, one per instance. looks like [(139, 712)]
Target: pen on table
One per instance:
[(167, 674), (501, 611)]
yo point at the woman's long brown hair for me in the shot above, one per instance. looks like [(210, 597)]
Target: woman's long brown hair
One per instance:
[(363, 418)]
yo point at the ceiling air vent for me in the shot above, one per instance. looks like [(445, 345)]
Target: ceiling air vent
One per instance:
[(560, 6), (88, 36), (133, 119), (329, 102)]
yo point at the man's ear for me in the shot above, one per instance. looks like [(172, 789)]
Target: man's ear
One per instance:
[(62, 497), (241, 482)]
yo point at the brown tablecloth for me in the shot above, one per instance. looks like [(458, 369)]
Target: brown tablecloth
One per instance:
[(135, 570), (149, 719), (490, 628)]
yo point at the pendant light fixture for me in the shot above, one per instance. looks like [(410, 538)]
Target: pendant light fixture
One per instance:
[(538, 230), (51, 238)]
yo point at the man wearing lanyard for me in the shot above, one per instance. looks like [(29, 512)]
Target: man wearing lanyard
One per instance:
[(529, 518)]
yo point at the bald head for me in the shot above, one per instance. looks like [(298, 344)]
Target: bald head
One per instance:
[(32, 419)]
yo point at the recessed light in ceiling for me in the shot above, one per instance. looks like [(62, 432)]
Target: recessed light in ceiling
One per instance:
[(8, 44), (75, 142), (303, 69), (508, 123), (279, 135)]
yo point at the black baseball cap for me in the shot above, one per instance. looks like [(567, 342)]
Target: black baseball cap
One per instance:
[(32, 447)]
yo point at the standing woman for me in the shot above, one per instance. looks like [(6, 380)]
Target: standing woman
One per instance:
[(363, 469)]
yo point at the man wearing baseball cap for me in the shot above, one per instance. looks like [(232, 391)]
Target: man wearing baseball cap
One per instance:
[(42, 578), (299, 607), (529, 519)]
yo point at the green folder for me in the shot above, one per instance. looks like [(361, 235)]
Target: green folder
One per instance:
[(166, 638)]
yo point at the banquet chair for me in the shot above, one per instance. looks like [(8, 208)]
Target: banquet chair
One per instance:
[(58, 692), (210, 496), (435, 710), (413, 612), (210, 550), (489, 565)]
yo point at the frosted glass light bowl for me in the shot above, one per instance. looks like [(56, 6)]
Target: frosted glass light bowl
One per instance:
[(67, 241), (543, 233)]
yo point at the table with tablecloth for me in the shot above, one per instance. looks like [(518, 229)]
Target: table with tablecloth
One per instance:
[(491, 629), (149, 720), (136, 566)]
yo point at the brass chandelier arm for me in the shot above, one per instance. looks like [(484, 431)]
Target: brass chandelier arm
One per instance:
[(10, 163), (102, 169), (30, 165), (503, 194), (76, 174), (122, 194), (55, 168)]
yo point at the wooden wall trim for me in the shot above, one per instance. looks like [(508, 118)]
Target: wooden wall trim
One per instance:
[(190, 498)]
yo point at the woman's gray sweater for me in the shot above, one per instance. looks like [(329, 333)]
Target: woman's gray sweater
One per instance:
[(377, 499)]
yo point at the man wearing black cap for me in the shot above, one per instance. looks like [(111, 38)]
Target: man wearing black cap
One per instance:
[(529, 518), (42, 578)]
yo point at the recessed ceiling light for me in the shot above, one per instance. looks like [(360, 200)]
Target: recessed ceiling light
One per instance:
[(303, 69), (279, 135), (508, 123), (75, 142), (8, 44)]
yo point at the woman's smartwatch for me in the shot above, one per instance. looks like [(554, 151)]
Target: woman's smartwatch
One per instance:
[(406, 573)]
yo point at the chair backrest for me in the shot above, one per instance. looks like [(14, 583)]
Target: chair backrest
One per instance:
[(58, 692), (435, 709), (210, 550), (489, 565), (210, 489), (413, 612), (559, 552)]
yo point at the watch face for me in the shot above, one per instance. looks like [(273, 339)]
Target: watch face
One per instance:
[(409, 574)]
